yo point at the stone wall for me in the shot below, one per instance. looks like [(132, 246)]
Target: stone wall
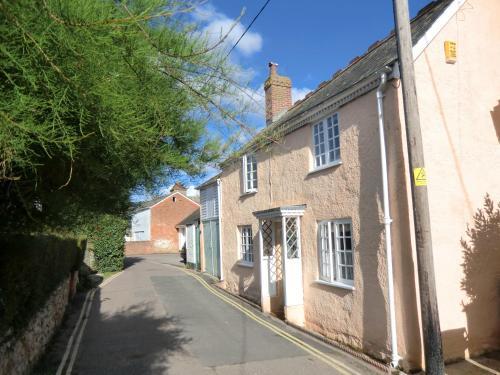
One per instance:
[(19, 354)]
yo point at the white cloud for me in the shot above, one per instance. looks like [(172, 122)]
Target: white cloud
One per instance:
[(192, 191), (217, 25), (299, 93)]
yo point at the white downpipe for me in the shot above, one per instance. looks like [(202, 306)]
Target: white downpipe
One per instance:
[(387, 221), (261, 260), (219, 198)]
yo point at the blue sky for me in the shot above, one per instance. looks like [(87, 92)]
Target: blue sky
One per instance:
[(310, 40)]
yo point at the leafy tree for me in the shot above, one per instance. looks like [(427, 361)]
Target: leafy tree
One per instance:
[(99, 97)]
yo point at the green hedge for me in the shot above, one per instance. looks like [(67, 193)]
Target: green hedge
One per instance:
[(108, 240), (31, 268)]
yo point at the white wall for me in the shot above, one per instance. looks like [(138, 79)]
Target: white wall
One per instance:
[(209, 202), (141, 224)]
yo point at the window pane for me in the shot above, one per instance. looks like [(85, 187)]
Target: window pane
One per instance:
[(292, 244), (348, 258), (348, 243), (350, 273), (319, 144), (324, 253), (246, 244), (344, 252)]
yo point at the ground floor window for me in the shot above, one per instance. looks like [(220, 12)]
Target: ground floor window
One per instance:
[(246, 243), (335, 251)]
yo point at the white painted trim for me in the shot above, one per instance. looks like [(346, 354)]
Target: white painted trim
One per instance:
[(436, 27), (284, 257), (243, 263), (171, 195), (280, 212), (219, 198), (244, 159), (336, 284), (326, 166)]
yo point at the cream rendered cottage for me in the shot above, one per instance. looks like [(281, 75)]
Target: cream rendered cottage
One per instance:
[(305, 229)]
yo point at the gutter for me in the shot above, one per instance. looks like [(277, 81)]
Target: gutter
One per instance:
[(387, 221)]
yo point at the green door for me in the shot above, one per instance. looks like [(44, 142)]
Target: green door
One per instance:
[(212, 248)]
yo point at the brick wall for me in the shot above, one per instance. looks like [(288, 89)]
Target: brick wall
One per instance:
[(138, 248), (278, 91), (165, 216)]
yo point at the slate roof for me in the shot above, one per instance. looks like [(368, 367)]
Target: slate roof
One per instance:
[(209, 181), (148, 204), (194, 217), (371, 64)]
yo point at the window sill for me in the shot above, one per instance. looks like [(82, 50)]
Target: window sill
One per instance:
[(327, 166), (247, 193), (243, 263), (335, 284)]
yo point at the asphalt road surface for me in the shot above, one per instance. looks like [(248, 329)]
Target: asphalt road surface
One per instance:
[(155, 318)]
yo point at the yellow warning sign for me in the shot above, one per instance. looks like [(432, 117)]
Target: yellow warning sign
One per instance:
[(420, 176)]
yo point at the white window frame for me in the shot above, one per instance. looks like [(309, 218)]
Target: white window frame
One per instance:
[(326, 142), (246, 246), (329, 253), (249, 173)]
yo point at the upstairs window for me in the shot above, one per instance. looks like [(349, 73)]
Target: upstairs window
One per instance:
[(326, 138), (335, 252), (249, 173)]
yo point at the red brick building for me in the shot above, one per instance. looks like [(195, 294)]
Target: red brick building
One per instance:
[(153, 224)]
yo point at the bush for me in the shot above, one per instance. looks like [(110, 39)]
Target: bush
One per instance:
[(108, 239), (31, 268)]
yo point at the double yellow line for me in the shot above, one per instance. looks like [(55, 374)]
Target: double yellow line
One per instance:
[(339, 366)]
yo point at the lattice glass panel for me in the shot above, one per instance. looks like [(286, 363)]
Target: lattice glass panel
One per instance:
[(292, 244), (267, 237)]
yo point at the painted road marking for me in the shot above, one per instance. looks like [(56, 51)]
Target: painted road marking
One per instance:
[(72, 337), (79, 339), (339, 366), (485, 368), (87, 305)]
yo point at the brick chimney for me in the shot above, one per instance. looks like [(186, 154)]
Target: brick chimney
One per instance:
[(178, 187), (278, 91)]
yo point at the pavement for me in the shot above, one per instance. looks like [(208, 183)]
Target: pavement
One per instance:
[(157, 318)]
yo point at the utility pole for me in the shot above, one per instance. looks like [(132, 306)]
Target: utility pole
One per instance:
[(427, 285)]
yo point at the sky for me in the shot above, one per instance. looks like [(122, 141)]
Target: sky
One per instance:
[(310, 41)]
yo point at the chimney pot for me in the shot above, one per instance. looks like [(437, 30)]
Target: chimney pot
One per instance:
[(273, 68)]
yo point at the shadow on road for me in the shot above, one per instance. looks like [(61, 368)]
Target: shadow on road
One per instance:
[(133, 340), (130, 261)]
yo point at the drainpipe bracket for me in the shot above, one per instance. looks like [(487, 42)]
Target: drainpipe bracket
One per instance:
[(387, 220)]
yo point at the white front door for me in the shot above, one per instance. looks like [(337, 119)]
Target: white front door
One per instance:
[(293, 285)]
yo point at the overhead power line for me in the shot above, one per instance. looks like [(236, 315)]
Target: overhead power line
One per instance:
[(248, 27)]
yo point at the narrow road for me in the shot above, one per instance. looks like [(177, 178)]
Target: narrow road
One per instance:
[(156, 318)]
